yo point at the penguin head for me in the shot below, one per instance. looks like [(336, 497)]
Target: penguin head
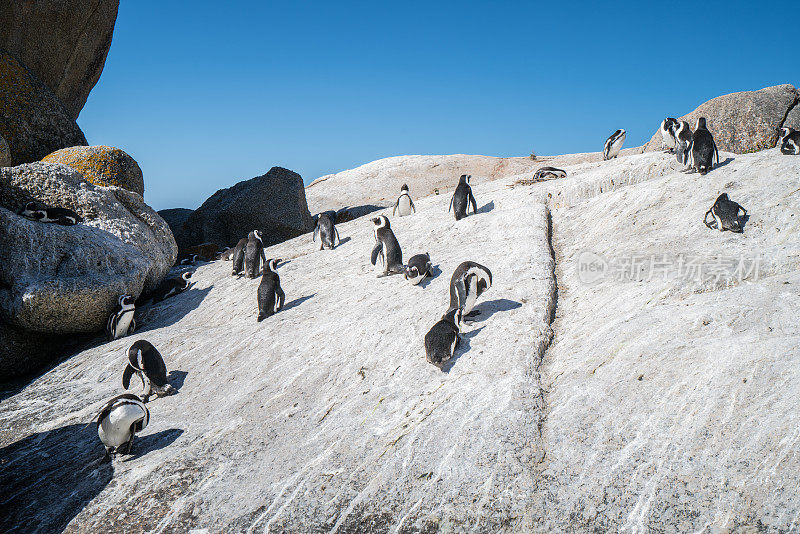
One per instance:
[(404, 188), (381, 221), (784, 131), (722, 197), (126, 300), (701, 123), (257, 234), (454, 315), (464, 178), (186, 275), (272, 264)]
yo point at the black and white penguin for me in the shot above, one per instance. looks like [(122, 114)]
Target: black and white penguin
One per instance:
[(121, 323), (62, 216), (683, 138), (613, 145), (189, 260), (172, 286), (419, 266), (254, 254), (548, 173), (386, 247), (404, 205), (119, 421), (146, 362), (789, 141), (238, 256), (326, 229), (725, 213), (702, 149), (469, 281), (667, 130), (226, 254), (442, 339), (270, 295), (462, 198)]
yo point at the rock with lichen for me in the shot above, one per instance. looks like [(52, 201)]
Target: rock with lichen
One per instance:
[(102, 165)]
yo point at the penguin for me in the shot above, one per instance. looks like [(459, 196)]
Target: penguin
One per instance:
[(442, 339), (120, 322), (172, 286), (226, 254), (254, 254), (667, 130), (327, 230), (189, 260), (462, 198), (725, 213), (404, 205), (613, 145), (469, 281), (789, 141), (270, 295), (548, 173), (146, 362), (702, 149), (419, 266), (62, 216), (387, 247), (118, 422), (238, 256), (683, 138)]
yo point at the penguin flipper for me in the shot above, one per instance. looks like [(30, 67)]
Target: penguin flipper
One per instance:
[(336, 232), (132, 327), (375, 251), (314, 235), (397, 203), (705, 219), (451, 203), (281, 298), (412, 205), (126, 376), (474, 204)]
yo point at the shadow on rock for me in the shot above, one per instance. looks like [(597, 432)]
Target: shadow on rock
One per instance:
[(435, 271), (341, 242), (176, 379), (463, 348), (297, 302), (169, 311), (490, 307), (47, 478), (153, 442), (486, 208)]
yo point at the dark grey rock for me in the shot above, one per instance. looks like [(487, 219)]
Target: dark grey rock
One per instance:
[(175, 218)]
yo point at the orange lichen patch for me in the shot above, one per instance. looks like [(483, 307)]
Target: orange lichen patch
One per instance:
[(102, 165)]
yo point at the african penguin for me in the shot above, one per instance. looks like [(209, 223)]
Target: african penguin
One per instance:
[(613, 145), (683, 138), (326, 229), (469, 281), (702, 149), (442, 339), (789, 141), (172, 286), (238, 256), (270, 295), (189, 260), (226, 254), (548, 173), (62, 216), (121, 323), (725, 213), (386, 247), (462, 198), (419, 266), (254, 254), (146, 362), (404, 205), (667, 130), (119, 420)]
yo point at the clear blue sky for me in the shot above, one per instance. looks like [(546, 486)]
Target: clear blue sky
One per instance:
[(205, 94)]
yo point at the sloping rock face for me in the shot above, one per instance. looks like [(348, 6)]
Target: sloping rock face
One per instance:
[(274, 203), (175, 218), (64, 43), (33, 121), (5, 153), (747, 121), (102, 165)]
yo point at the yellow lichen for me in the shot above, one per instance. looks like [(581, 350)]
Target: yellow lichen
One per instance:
[(101, 165)]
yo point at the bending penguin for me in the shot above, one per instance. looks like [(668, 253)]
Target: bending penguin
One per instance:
[(238, 257), (667, 130), (725, 213), (419, 266), (404, 205), (462, 198), (442, 339), (386, 247), (683, 138), (146, 362), (120, 322), (789, 141), (327, 231), (62, 216), (254, 254), (702, 149), (119, 421), (469, 281), (613, 145), (548, 173), (171, 287), (270, 295)]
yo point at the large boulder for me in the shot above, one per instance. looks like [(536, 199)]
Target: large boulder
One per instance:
[(274, 203), (5, 153), (102, 165), (32, 119), (175, 218), (66, 279), (63, 42), (747, 121)]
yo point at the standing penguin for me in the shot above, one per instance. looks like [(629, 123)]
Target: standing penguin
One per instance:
[(120, 322), (442, 339), (238, 257), (119, 420), (146, 362), (667, 130), (386, 247), (462, 198), (327, 230), (789, 141), (254, 254), (469, 281), (404, 204), (702, 149), (419, 266), (613, 145), (726, 214), (683, 138), (172, 286), (270, 295)]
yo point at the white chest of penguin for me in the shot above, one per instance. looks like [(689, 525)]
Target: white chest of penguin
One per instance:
[(404, 205), (116, 428)]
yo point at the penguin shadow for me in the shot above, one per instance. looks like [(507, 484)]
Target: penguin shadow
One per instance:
[(723, 163), (486, 208), (463, 348), (48, 477), (296, 302), (176, 379), (170, 310), (490, 307), (435, 271), (152, 442), (341, 242)]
